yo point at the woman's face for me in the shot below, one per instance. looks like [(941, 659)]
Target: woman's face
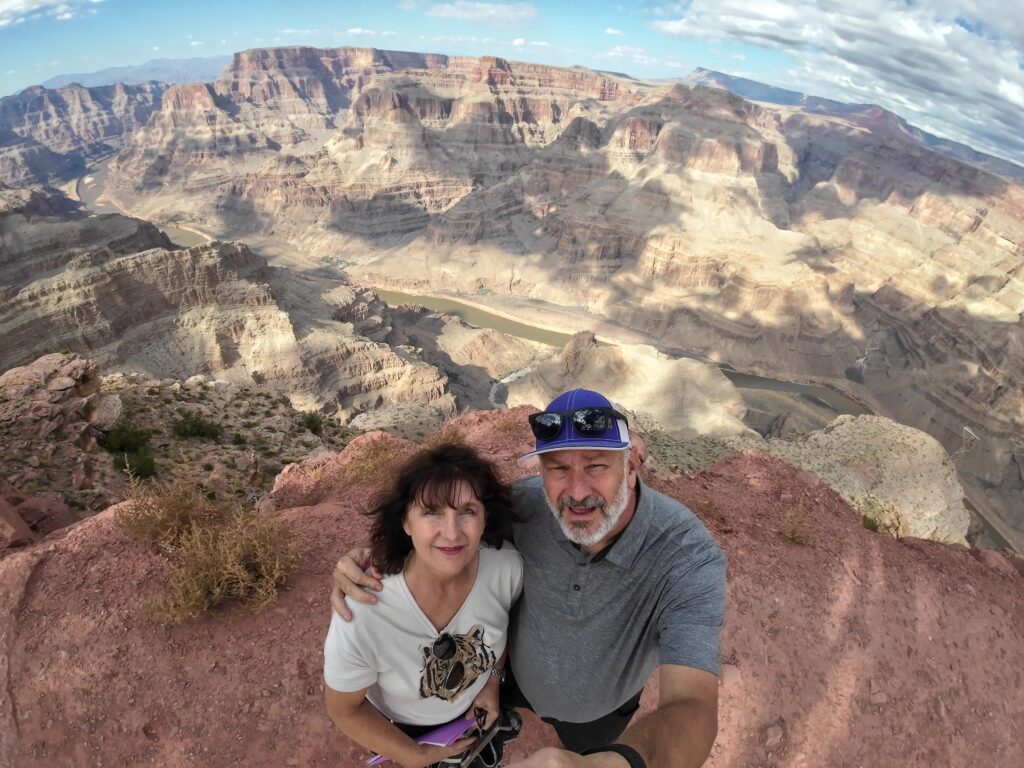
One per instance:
[(446, 539)]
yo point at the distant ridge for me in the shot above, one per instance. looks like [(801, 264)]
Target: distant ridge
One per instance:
[(872, 117), (171, 71)]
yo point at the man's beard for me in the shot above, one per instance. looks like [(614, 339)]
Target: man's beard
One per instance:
[(611, 513)]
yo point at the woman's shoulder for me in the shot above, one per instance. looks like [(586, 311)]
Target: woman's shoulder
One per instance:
[(391, 600), (499, 560)]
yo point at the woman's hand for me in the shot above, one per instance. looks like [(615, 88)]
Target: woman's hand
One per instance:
[(428, 754), (487, 700), (352, 581)]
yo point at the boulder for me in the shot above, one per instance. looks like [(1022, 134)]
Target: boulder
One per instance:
[(13, 530)]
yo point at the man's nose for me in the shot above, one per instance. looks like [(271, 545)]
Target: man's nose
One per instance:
[(579, 486)]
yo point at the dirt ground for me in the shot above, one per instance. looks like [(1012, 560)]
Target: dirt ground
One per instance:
[(854, 649)]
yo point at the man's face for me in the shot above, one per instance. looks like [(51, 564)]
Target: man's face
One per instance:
[(588, 491)]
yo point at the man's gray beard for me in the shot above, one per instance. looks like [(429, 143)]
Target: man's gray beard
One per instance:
[(611, 513)]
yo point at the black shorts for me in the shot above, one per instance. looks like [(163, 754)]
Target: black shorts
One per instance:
[(577, 737)]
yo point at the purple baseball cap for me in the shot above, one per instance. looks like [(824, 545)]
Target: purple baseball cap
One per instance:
[(614, 438)]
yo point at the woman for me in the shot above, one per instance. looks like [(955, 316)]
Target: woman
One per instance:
[(433, 648)]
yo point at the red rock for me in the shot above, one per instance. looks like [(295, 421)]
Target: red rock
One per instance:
[(13, 530), (60, 383), (994, 560)]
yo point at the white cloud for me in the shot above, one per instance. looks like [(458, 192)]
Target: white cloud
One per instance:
[(540, 44), (14, 12), (518, 42), (1013, 92), (613, 31), (359, 31), (496, 14), (195, 43), (156, 47), (224, 42), (952, 66), (737, 56)]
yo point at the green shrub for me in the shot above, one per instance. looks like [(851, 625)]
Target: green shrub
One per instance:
[(126, 437), (238, 439), (192, 424), (870, 523), (139, 464), (313, 421), (129, 446)]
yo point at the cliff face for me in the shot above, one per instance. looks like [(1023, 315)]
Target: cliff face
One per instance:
[(781, 243), (74, 123), (854, 648)]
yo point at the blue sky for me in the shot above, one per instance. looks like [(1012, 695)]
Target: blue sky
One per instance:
[(953, 67)]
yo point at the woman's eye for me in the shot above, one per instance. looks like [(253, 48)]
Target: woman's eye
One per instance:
[(469, 511), (431, 512)]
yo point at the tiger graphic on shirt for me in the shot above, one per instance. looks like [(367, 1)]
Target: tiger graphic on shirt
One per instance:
[(441, 678)]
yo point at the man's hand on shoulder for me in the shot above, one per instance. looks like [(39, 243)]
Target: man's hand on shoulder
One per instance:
[(352, 579)]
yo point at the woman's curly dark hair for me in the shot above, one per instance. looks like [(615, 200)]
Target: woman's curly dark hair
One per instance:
[(432, 477)]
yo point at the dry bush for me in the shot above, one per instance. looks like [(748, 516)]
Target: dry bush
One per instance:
[(446, 433), (162, 512), (244, 559), (797, 529), (374, 461), (219, 551)]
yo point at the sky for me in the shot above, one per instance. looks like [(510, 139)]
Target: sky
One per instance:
[(951, 67)]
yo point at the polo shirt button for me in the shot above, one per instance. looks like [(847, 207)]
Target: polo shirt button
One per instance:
[(576, 587)]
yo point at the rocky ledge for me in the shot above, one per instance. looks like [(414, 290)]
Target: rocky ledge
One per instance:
[(841, 646)]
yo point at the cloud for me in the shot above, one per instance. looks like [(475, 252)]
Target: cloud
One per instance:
[(495, 14), (14, 12), (156, 47), (952, 67), (196, 43), (518, 42), (356, 31), (613, 31)]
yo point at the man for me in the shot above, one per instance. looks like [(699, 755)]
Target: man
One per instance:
[(618, 579)]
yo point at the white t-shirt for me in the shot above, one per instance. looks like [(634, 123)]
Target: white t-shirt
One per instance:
[(389, 648)]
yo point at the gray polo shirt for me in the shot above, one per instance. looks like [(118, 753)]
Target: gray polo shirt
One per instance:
[(588, 632)]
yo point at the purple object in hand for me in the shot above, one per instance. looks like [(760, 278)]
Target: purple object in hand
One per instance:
[(442, 736)]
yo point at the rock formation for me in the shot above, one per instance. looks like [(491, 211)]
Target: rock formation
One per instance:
[(779, 242), (682, 397), (67, 126), (897, 476), (853, 633)]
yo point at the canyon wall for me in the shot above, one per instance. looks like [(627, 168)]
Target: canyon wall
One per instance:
[(779, 242)]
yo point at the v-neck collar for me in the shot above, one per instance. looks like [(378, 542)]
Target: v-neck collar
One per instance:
[(419, 611)]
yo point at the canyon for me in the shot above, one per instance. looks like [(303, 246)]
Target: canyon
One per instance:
[(771, 239)]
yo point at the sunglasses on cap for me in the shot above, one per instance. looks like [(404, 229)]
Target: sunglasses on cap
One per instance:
[(588, 422)]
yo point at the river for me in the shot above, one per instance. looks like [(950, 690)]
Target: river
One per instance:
[(827, 400), (90, 189), (824, 397)]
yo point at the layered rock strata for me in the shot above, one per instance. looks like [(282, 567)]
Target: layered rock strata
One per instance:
[(62, 127), (779, 242)]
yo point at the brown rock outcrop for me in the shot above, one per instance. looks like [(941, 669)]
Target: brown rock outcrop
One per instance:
[(853, 633)]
